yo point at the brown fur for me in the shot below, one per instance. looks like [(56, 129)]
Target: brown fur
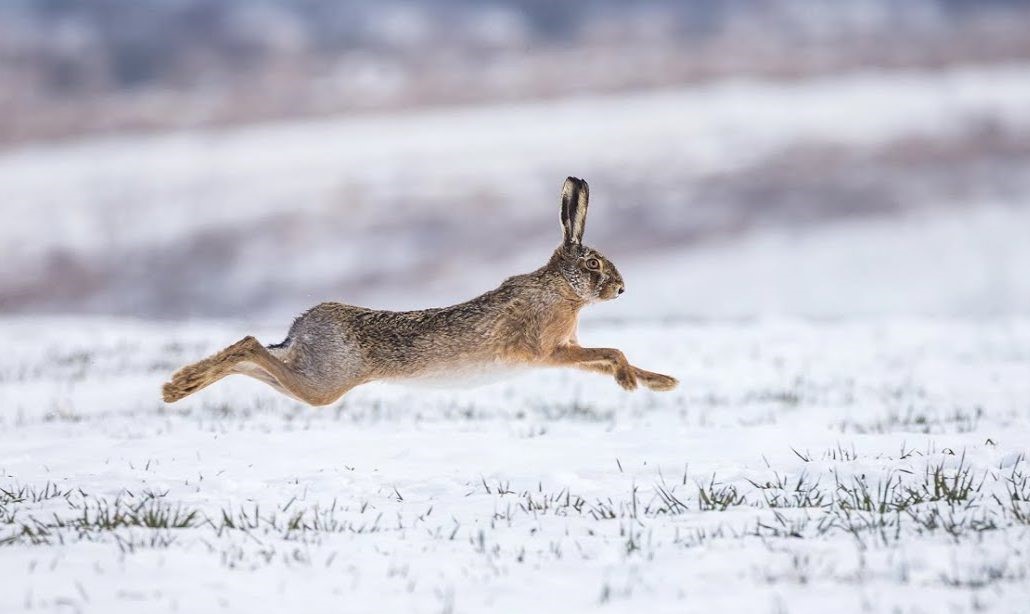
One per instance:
[(530, 320)]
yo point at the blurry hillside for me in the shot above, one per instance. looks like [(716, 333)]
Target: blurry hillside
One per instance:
[(174, 158)]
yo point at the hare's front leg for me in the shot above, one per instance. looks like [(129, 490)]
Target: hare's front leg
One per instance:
[(612, 362), (599, 360), (655, 381)]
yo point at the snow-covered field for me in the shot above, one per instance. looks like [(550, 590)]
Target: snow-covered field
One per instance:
[(870, 465)]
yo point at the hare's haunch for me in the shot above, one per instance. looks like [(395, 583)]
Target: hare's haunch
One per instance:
[(530, 320)]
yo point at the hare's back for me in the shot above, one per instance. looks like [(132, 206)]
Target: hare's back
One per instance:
[(326, 319), (369, 328)]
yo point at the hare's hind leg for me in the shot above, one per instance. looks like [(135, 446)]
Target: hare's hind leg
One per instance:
[(202, 374), (248, 357), (290, 380)]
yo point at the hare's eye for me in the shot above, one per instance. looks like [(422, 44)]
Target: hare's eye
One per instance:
[(593, 263)]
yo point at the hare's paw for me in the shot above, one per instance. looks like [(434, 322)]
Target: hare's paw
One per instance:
[(185, 382), (182, 385), (658, 382), (626, 378), (172, 393)]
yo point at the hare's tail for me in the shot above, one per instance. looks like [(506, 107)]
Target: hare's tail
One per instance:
[(192, 378)]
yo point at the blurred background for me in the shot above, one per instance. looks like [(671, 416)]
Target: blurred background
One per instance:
[(747, 158)]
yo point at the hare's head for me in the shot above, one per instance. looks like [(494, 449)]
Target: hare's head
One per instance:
[(589, 274)]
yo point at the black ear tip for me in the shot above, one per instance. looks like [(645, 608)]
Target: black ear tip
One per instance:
[(575, 188)]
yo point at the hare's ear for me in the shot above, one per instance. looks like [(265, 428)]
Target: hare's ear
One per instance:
[(575, 195)]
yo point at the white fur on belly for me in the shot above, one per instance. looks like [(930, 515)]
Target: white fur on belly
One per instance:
[(462, 376)]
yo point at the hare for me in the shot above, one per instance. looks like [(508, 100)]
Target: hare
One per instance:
[(530, 320)]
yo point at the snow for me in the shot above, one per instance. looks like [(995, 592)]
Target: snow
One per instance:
[(540, 492)]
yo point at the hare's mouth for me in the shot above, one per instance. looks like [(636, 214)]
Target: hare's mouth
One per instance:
[(612, 292)]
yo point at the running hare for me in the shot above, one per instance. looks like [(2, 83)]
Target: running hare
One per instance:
[(530, 320)]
